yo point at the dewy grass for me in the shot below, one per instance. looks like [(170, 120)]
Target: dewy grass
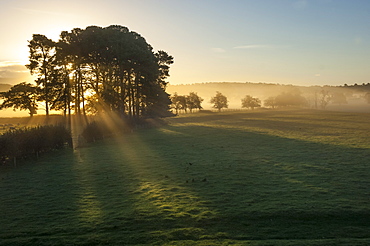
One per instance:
[(242, 178)]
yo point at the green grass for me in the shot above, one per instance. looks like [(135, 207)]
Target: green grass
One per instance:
[(285, 177)]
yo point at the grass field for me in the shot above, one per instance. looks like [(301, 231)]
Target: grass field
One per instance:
[(287, 177), (7, 123)]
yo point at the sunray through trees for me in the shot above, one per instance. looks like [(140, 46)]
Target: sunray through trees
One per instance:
[(96, 66)]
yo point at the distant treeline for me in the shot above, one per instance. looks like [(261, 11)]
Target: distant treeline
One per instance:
[(362, 87), (279, 95)]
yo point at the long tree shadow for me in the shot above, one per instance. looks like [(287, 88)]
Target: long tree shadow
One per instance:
[(189, 182), (264, 186)]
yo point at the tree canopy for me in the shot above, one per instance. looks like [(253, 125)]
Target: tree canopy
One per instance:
[(178, 102), (287, 99), (182, 102), (114, 67), (42, 63), (21, 96), (251, 102), (219, 101), (193, 101)]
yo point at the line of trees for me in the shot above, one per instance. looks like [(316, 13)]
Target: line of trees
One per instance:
[(285, 99), (291, 98), (185, 102), (92, 70)]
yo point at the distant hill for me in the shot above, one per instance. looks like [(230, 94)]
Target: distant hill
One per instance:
[(5, 87)]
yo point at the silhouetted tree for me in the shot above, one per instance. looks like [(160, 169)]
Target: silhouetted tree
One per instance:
[(21, 96), (193, 101), (114, 64), (219, 101), (42, 63), (251, 102), (178, 102)]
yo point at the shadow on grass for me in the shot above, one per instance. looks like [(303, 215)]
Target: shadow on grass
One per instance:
[(193, 183), (263, 186)]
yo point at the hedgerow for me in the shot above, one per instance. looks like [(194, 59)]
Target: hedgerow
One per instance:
[(33, 141)]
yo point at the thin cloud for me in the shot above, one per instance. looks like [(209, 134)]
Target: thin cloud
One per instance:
[(12, 69), (10, 63)]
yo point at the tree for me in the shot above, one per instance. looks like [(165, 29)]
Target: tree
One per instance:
[(156, 100), (325, 98), (178, 102), (270, 102), (193, 101), (251, 102), (160, 106), (219, 101), (287, 99), (115, 65), (164, 60), (21, 96), (42, 63)]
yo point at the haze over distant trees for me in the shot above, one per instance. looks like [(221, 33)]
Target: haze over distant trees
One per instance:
[(108, 69), (251, 102), (290, 99), (339, 98), (343, 98), (367, 97), (270, 102)]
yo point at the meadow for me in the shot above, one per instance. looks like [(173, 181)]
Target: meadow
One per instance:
[(263, 177), (7, 123)]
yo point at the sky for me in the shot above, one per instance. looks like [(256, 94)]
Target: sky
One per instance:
[(299, 42)]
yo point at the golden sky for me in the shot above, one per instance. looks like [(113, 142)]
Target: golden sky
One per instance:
[(316, 42)]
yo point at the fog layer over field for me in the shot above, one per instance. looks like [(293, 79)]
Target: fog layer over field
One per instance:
[(343, 98)]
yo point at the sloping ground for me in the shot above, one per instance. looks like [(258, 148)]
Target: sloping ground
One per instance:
[(244, 178)]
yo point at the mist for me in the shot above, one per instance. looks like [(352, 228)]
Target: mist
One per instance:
[(340, 98)]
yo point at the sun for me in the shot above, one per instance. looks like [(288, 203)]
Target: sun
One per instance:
[(54, 33)]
